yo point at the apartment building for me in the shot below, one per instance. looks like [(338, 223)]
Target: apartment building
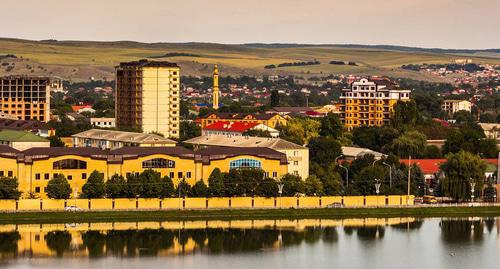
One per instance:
[(452, 106), (370, 102), (148, 97), (26, 98)]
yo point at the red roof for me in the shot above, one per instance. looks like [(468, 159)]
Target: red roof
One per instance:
[(76, 108), (231, 126), (431, 166)]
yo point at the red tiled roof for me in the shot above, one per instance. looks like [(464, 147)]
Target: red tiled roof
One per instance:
[(76, 108), (231, 126), (431, 166)]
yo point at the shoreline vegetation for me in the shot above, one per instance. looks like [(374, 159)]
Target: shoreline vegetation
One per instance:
[(244, 214)]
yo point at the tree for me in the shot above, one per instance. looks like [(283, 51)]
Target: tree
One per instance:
[(167, 187), (94, 187), (275, 98), (411, 143), (184, 189), (116, 187), (134, 185), (242, 181), (216, 186), (200, 189), (313, 186), (405, 114), (364, 181), (432, 152), (58, 241), (292, 185), (374, 138), (267, 187), (58, 187), (9, 188), (151, 184), (188, 130), (460, 169), (324, 150), (463, 116), (55, 141), (331, 126), (332, 184), (300, 130)]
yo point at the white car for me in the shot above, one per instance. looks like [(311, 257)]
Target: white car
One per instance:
[(72, 208)]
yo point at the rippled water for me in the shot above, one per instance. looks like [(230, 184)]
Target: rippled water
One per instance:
[(349, 243)]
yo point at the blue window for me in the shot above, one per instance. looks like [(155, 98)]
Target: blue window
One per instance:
[(245, 163)]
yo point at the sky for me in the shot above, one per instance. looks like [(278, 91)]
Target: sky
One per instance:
[(470, 24)]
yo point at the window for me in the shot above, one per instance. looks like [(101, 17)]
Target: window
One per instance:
[(179, 174), (275, 174), (295, 162), (171, 175), (158, 163), (37, 189), (70, 177), (10, 174), (84, 175), (69, 164), (46, 176), (188, 174), (1, 173), (245, 163), (37, 176)]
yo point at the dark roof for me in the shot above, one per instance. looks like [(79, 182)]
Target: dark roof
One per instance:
[(234, 116), (217, 153), (4, 149), (291, 109), (144, 151), (147, 63), (60, 151), (22, 125)]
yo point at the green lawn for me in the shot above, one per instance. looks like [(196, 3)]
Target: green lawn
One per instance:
[(117, 216)]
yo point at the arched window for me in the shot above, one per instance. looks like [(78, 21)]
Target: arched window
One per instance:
[(158, 163), (69, 164), (245, 163)]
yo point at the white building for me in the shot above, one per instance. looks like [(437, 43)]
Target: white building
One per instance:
[(103, 122), (452, 106)]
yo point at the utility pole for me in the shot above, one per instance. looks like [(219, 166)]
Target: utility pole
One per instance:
[(409, 175)]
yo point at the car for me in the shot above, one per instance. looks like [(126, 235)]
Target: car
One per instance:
[(335, 205), (429, 199), (72, 208)]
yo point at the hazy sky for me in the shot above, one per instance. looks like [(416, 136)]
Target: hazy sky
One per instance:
[(422, 23)]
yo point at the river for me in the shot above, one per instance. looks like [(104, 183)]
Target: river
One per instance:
[(323, 243)]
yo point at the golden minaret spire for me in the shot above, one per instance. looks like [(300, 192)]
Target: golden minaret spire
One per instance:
[(215, 93)]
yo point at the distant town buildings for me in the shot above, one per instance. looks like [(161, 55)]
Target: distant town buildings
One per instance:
[(36, 127), (148, 96), (491, 130), (108, 139), (370, 102), (237, 128), (452, 106), (21, 140), (25, 97), (103, 122), (270, 120)]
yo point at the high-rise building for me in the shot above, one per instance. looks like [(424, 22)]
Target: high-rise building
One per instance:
[(26, 98), (215, 93), (147, 97), (370, 102)]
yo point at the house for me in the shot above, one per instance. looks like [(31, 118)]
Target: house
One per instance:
[(232, 128), (21, 140), (36, 127), (296, 155), (287, 110), (103, 122), (108, 139), (352, 153), (272, 120), (83, 108), (452, 106), (491, 130)]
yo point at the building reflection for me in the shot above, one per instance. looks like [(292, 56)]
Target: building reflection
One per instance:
[(178, 238)]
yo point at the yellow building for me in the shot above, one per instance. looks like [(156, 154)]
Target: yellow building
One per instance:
[(270, 120), (148, 97), (370, 102), (26, 98), (36, 166)]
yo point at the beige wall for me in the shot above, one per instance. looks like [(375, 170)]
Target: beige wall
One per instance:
[(27, 145)]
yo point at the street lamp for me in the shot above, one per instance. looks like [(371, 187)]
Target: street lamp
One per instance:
[(280, 190), (472, 187), (345, 168), (390, 173), (377, 188)]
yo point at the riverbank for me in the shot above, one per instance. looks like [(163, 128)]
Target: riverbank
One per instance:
[(234, 214)]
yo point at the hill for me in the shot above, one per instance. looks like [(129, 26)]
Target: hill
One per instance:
[(80, 60)]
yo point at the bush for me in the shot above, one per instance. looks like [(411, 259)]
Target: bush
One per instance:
[(216, 186), (58, 187), (167, 187), (313, 186), (94, 187), (116, 187), (8, 188), (267, 187), (134, 186), (184, 189), (200, 189), (292, 185)]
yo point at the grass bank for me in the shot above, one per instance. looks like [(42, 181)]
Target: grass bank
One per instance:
[(187, 215)]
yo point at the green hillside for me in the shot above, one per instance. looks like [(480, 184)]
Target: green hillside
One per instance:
[(79, 60)]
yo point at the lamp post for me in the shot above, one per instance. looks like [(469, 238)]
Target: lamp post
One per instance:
[(472, 187), (345, 168), (280, 190), (377, 188), (390, 173)]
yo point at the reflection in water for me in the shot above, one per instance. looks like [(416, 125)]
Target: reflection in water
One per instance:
[(138, 239)]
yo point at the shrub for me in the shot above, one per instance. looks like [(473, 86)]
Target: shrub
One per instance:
[(58, 187), (94, 187)]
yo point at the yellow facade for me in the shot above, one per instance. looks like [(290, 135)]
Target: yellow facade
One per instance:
[(34, 172), (370, 103)]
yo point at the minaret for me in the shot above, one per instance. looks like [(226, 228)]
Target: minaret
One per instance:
[(215, 92)]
